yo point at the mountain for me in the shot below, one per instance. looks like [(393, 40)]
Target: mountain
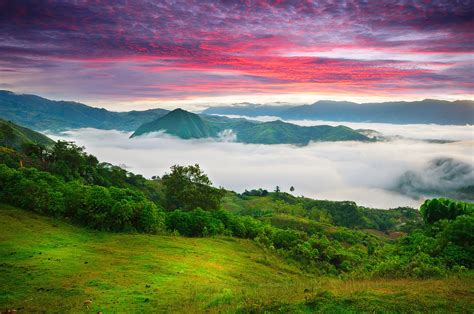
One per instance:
[(180, 123), (43, 114), (15, 136), (459, 112), (188, 125), (248, 109)]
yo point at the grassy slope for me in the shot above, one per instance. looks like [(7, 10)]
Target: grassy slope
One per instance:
[(43, 267)]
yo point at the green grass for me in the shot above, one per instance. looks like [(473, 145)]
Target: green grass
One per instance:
[(49, 265)]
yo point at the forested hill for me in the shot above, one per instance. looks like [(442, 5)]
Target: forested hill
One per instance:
[(180, 123), (458, 112), (188, 125), (43, 114), (15, 136)]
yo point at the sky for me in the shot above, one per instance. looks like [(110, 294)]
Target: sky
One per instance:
[(126, 55)]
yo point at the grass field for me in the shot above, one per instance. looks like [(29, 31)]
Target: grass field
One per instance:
[(49, 265)]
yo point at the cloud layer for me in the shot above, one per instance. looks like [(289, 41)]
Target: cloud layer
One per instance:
[(363, 172), (185, 49)]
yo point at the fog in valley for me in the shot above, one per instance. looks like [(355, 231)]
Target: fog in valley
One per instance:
[(382, 174)]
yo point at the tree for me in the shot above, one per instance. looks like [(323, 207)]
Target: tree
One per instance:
[(38, 151), (443, 208), (188, 187), (277, 189), (6, 133), (292, 189)]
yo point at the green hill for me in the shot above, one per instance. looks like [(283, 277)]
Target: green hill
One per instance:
[(47, 265), (180, 123), (279, 132), (15, 136), (43, 114), (187, 125)]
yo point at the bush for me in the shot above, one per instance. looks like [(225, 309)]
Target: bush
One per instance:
[(98, 207), (196, 223), (442, 208)]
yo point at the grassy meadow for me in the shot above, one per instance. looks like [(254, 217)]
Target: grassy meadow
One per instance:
[(50, 265)]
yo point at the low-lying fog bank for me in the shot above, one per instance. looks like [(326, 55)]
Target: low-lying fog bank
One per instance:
[(367, 173)]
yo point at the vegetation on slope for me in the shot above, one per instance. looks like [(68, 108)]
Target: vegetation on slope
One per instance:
[(279, 132), (49, 265), (17, 137)]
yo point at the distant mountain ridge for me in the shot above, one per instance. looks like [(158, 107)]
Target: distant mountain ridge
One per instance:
[(458, 112), (43, 114), (188, 125)]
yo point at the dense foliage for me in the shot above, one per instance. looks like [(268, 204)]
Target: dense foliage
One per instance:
[(438, 209), (15, 136), (70, 162), (114, 209), (445, 243), (187, 188)]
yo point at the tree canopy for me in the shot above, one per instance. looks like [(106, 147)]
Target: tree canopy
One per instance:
[(188, 188)]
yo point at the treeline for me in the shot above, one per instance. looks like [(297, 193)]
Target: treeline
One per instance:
[(70, 162), (340, 213), (98, 207)]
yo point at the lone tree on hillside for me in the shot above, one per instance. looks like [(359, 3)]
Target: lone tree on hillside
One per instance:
[(188, 187), (292, 189)]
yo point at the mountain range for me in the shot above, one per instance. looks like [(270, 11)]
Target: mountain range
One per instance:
[(188, 125), (43, 114), (458, 112)]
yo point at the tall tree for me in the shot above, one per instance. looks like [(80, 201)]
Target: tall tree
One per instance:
[(188, 187)]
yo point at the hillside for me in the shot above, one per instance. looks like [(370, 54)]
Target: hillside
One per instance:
[(43, 114), (180, 123), (459, 112), (279, 132), (188, 125), (116, 241), (15, 136), (48, 265)]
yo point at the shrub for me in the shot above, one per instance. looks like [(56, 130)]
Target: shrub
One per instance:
[(196, 223), (442, 208)]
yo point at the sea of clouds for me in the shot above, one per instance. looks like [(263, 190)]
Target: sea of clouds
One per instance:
[(363, 172)]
